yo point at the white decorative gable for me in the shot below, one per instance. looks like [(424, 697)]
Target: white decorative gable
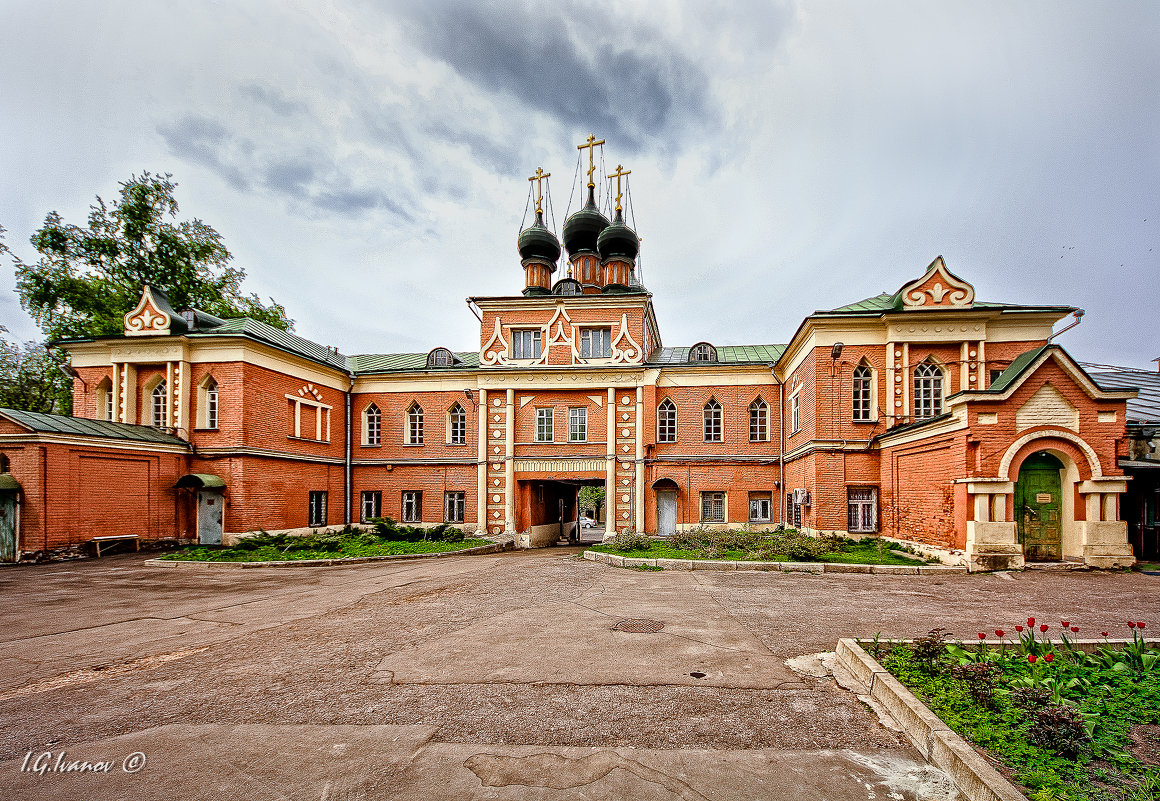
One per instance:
[(938, 288), (151, 316), (1047, 407)]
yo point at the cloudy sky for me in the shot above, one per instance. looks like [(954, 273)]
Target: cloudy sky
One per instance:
[(367, 164)]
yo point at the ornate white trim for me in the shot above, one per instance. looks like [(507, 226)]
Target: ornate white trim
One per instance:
[(500, 356), (1009, 455), (961, 294), (626, 355), (147, 318)]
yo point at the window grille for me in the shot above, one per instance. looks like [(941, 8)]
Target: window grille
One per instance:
[(702, 352), (760, 507), (453, 506), (317, 513), (372, 505), (712, 507), (412, 507), (862, 510)]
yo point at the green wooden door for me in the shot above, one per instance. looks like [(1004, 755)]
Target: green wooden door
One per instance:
[(1038, 506), (7, 526)]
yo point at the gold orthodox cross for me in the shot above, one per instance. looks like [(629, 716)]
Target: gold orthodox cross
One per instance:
[(539, 179), (620, 173), (590, 144)]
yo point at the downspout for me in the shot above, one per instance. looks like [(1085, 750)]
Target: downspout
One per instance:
[(781, 445), (44, 495), (346, 487)]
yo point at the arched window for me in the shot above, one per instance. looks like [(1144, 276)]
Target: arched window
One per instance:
[(158, 404), (702, 352), (4, 465), (105, 399), (666, 421), (440, 357), (456, 425), (862, 394), (713, 429), (415, 424), (207, 395), (928, 397), (758, 421), (372, 425)]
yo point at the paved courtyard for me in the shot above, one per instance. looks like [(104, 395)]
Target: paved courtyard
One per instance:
[(498, 677)]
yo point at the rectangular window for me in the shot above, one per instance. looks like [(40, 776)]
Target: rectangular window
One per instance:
[(108, 404), (457, 426), (412, 507), (453, 505), (861, 392), (794, 414), (526, 343), (578, 424), (211, 407), (712, 507), (994, 374), (760, 507), (596, 343), (545, 425), (317, 515), (862, 510), (372, 505)]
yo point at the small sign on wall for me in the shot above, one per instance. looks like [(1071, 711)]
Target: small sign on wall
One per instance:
[(1043, 497)]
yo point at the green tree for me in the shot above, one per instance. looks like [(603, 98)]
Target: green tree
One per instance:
[(592, 498), (31, 378), (88, 278)]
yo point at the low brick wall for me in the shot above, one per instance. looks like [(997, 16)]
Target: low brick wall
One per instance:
[(782, 567)]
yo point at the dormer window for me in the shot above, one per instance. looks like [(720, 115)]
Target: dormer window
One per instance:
[(702, 352), (526, 343), (440, 357), (596, 343)]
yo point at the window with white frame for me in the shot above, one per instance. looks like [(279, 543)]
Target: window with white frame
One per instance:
[(372, 425), (863, 410), (412, 507), (794, 413), (712, 417), (159, 404), (317, 511), (760, 507), (453, 507), (372, 505), (526, 343), (666, 421), (928, 380), (862, 510), (712, 507), (578, 424), (759, 421), (105, 399), (545, 424), (596, 343), (415, 424), (211, 403), (456, 425)]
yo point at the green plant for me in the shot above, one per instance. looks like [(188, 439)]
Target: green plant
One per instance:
[(930, 649), (1059, 728), (630, 541)]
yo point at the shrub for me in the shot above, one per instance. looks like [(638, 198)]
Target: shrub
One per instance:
[(630, 541), (1060, 729), (981, 679)]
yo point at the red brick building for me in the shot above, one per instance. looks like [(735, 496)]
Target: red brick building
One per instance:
[(923, 415)]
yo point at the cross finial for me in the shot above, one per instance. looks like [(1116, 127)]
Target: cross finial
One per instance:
[(620, 173), (539, 179), (591, 143)]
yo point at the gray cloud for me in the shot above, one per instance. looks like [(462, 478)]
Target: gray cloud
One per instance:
[(206, 142), (271, 98)]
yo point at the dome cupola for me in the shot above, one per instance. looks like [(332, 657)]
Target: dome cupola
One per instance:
[(583, 228), (617, 240), (537, 242)]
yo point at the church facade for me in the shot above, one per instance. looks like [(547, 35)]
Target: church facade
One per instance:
[(924, 414)]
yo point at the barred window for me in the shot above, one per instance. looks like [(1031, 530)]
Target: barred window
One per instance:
[(578, 424), (545, 424), (372, 505), (415, 425), (666, 421), (758, 421), (453, 507), (760, 507), (412, 507), (457, 425), (712, 507), (927, 391), (158, 405), (713, 430), (526, 343), (861, 393), (317, 513), (372, 426), (862, 510), (596, 343), (793, 511)]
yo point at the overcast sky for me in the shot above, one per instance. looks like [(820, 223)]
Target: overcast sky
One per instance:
[(367, 165)]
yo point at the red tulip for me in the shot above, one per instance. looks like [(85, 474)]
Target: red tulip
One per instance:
[(1140, 625), (1018, 628), (1103, 634), (1131, 625), (1030, 622), (999, 632), (1075, 629), (982, 636), (1044, 627), (1064, 623), (1049, 657), (1031, 658)]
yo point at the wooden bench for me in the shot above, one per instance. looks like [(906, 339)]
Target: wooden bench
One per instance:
[(102, 544)]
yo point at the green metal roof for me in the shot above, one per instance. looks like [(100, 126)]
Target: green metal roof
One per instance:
[(284, 340), (392, 362), (726, 354), (887, 302), (80, 426), (1015, 369), (8, 483), (201, 480)]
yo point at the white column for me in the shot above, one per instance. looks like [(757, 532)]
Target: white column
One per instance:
[(117, 389), (610, 463), (481, 467), (1093, 506), (983, 508), (906, 378), (638, 491), (1110, 506), (169, 395), (509, 510)]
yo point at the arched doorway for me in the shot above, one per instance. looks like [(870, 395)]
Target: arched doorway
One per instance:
[(1039, 507)]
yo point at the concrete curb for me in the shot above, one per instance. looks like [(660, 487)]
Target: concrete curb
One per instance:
[(940, 746), (349, 560), (782, 567)]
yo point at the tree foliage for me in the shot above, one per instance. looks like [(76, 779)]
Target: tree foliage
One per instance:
[(592, 498), (88, 278), (31, 378)]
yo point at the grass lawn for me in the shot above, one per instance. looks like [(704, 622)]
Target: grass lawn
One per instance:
[(1064, 724), (336, 545), (846, 551)]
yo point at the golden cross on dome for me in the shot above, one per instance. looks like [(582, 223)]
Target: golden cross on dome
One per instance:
[(620, 173), (591, 143), (539, 179)]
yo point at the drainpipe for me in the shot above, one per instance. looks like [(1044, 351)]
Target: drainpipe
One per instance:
[(781, 445), (44, 495), (346, 487)]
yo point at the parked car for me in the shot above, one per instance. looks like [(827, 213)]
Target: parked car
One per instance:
[(587, 522)]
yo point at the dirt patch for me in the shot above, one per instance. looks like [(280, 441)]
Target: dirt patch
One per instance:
[(1144, 743)]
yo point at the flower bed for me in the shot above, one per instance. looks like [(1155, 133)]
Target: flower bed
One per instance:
[(1065, 720)]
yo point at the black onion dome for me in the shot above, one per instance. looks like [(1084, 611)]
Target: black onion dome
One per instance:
[(618, 240), (537, 242), (582, 228)]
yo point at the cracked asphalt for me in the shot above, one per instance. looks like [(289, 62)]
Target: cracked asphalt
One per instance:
[(491, 655)]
